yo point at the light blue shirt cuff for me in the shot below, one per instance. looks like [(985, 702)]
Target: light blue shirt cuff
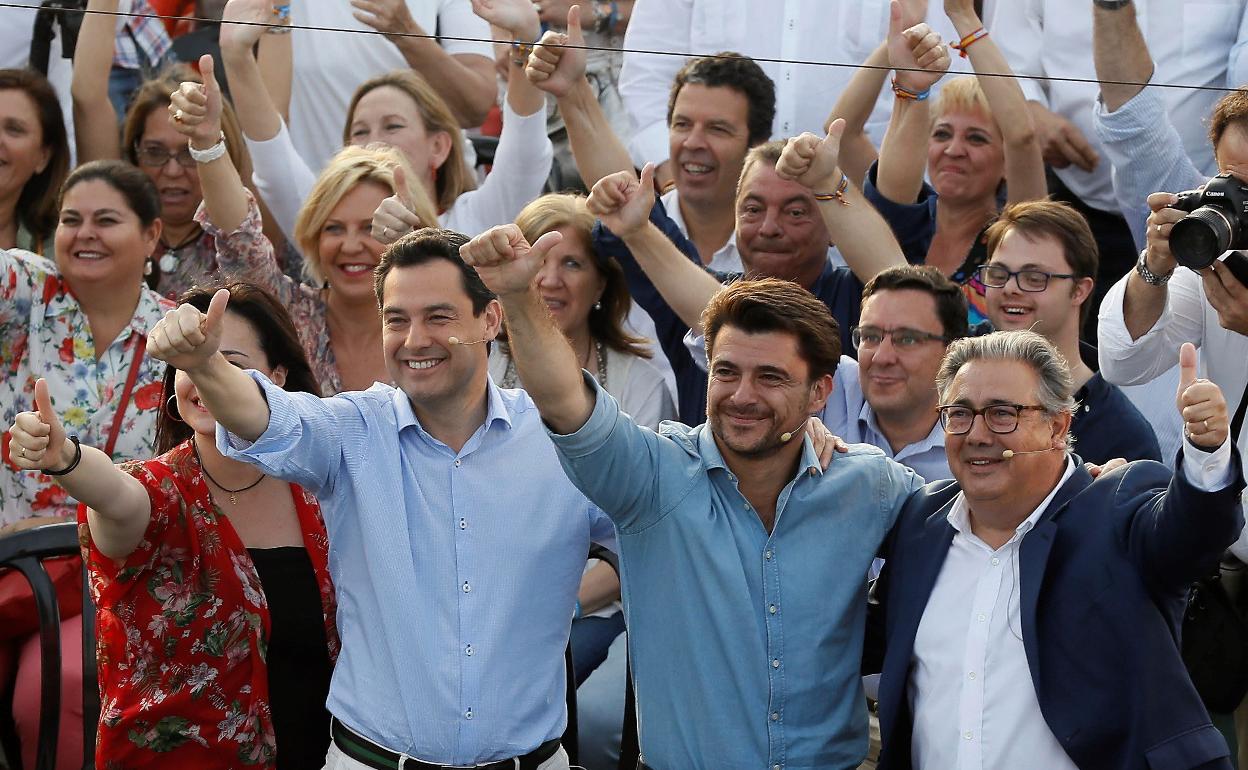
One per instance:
[(1208, 471), (596, 430), (282, 422)]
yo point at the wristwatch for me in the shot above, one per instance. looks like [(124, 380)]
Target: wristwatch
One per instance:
[(1151, 278), (1111, 5)]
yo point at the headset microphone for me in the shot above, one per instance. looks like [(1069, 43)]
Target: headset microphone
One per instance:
[(1007, 454), (458, 341), (788, 434)]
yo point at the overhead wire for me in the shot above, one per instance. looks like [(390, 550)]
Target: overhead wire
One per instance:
[(683, 55)]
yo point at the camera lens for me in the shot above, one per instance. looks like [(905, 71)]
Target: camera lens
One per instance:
[(1201, 237)]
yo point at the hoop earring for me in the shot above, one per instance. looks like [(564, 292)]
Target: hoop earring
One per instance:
[(171, 409)]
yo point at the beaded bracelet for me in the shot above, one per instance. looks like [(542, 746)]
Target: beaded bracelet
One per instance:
[(905, 93), (282, 17), (520, 52), (836, 195), (968, 41), (72, 463)]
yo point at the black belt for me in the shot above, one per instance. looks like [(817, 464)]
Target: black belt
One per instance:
[(363, 750)]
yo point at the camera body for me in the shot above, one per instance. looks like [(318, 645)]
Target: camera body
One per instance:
[(1216, 222)]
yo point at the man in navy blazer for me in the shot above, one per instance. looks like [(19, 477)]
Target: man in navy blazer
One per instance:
[(1032, 613)]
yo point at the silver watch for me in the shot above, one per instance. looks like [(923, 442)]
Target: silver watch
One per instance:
[(214, 152), (1151, 278)]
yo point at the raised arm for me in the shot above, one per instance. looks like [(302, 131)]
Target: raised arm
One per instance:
[(119, 506), (276, 57), (920, 59), (561, 72), (464, 80), (257, 114), (517, 19), (95, 120), (1024, 163), (196, 114), (623, 203), (859, 232), (544, 360), (855, 106), (1120, 54), (188, 340)]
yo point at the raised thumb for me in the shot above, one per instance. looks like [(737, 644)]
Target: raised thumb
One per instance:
[(400, 186), (647, 179), (894, 20), (216, 310), (1187, 366), (43, 403), (576, 36), (547, 242), (207, 71)]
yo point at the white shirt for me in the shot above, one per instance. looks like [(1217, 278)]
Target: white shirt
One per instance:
[(1193, 43), (727, 259), (329, 65), (1187, 317), (971, 691), (837, 31)]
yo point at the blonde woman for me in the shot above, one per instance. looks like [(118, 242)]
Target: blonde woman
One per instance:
[(336, 315)]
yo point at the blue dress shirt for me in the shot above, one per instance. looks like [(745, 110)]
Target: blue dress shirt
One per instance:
[(456, 574), (745, 646)]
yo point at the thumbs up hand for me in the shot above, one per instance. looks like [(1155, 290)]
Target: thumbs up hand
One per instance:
[(506, 262), (553, 68), (37, 439), (811, 161), (195, 108), (396, 216), (1201, 403), (186, 338), (916, 52)]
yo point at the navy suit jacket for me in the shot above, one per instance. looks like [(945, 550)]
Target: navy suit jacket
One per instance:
[(1104, 576)]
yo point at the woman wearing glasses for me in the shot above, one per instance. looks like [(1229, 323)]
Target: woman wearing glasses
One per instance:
[(975, 144), (186, 254)]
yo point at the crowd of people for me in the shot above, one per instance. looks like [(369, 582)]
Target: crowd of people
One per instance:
[(849, 416)]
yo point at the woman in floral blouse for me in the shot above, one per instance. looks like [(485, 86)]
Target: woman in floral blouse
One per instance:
[(216, 613), (337, 314)]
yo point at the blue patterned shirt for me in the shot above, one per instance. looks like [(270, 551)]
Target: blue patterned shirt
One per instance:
[(456, 573)]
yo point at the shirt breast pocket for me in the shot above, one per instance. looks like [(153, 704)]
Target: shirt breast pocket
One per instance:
[(1210, 28)]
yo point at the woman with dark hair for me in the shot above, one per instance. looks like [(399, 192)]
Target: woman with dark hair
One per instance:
[(187, 255), (80, 325), (216, 613), (35, 152)]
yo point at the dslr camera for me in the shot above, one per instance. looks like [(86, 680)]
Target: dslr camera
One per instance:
[(1216, 222)]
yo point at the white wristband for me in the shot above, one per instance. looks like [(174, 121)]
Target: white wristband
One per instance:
[(215, 152)]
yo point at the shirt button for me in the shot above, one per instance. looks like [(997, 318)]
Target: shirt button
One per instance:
[(468, 714), (775, 663), (463, 524), (995, 561), (982, 617), (775, 767), (457, 463), (468, 650), (967, 735), (767, 555), (746, 506), (972, 675), (775, 716), (771, 608), (467, 588)]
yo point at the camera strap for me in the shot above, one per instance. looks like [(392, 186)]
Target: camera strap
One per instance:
[(1237, 422)]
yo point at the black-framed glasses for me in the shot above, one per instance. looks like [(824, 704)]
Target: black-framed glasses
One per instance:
[(957, 419), (869, 337), (997, 276), (155, 156)]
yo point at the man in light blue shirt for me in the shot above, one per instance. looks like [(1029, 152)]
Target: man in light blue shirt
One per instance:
[(744, 566), (456, 541)]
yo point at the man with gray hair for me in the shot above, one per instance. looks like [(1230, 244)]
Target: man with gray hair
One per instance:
[(1032, 613)]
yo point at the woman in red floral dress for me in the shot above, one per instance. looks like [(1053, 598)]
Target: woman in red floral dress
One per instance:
[(216, 613)]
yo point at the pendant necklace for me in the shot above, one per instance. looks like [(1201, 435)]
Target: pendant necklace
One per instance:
[(233, 493)]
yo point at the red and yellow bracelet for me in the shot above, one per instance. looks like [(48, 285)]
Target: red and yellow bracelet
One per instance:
[(968, 41), (836, 195)]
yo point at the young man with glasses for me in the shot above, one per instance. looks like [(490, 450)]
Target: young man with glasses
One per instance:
[(1031, 612), (1040, 275)]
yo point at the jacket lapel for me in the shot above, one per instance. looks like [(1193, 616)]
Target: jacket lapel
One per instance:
[(1034, 558)]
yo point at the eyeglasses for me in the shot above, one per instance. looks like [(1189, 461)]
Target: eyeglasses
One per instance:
[(868, 337), (957, 419), (997, 276), (155, 156)]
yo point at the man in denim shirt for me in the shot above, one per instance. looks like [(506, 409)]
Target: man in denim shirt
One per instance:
[(744, 565)]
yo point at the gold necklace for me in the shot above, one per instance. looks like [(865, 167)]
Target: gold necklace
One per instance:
[(233, 493)]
